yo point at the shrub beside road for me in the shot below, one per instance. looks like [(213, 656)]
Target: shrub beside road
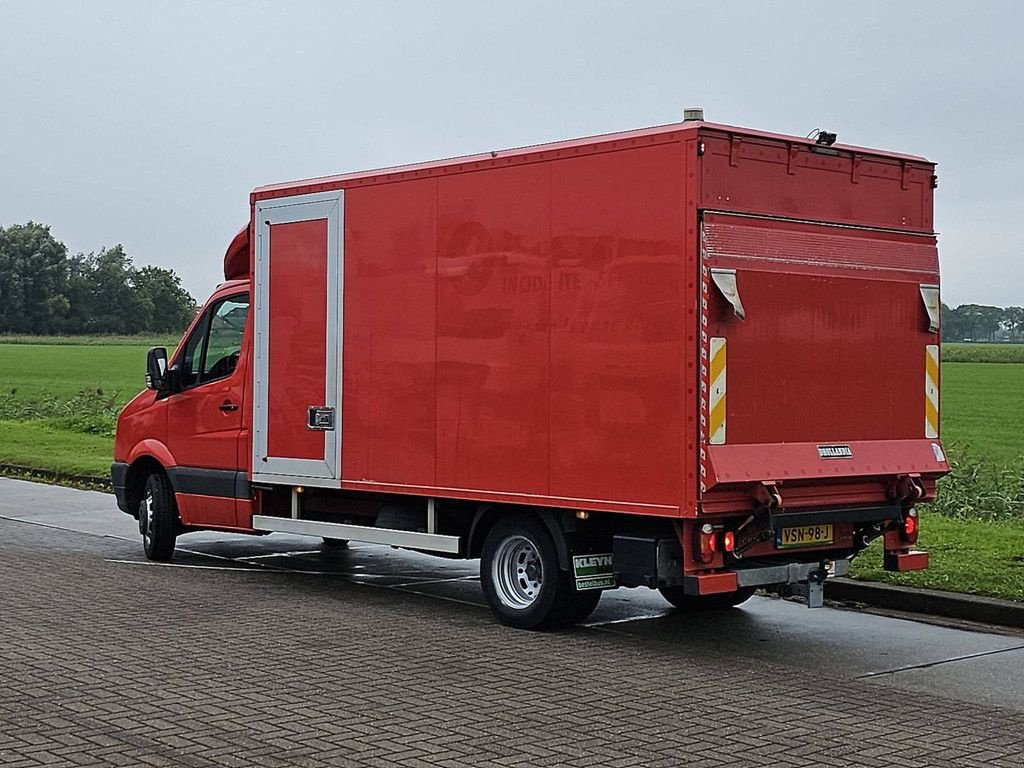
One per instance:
[(958, 352), (59, 401)]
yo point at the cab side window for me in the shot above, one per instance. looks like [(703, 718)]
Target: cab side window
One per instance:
[(192, 355), (212, 350)]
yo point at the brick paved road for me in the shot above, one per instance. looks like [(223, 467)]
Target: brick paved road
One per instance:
[(110, 664)]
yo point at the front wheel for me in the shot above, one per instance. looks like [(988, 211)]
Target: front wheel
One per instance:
[(158, 519), (520, 576), (684, 602)]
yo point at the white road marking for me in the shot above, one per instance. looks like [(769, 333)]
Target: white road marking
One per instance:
[(592, 624), (217, 557), (472, 577), (355, 578), (190, 565), (927, 664), (295, 553), (63, 528), (428, 594)]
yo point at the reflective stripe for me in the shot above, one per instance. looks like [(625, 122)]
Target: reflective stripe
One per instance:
[(931, 391), (716, 400)]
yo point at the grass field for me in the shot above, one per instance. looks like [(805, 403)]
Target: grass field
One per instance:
[(33, 371), (40, 445), (982, 409), (58, 403)]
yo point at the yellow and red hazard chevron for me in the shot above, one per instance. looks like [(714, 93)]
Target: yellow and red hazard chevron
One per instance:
[(931, 391), (716, 395)]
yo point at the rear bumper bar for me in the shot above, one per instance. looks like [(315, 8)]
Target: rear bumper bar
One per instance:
[(806, 580), (658, 562), (785, 573)]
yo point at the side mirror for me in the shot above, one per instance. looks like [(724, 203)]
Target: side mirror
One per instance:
[(156, 369)]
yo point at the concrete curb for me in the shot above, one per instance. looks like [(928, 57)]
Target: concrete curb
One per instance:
[(984, 610)]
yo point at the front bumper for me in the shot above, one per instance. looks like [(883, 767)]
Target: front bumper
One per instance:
[(119, 479)]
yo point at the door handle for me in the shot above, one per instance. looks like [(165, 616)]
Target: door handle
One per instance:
[(228, 406)]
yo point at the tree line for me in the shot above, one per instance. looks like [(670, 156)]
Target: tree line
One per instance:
[(45, 291), (977, 322)]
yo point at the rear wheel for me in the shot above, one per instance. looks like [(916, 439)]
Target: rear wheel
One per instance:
[(522, 581), (684, 602), (158, 518)]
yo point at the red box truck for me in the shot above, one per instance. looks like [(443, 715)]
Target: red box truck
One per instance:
[(697, 358)]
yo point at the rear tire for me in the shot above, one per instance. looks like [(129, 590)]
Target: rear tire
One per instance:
[(521, 579), (719, 602), (158, 518), (330, 543)]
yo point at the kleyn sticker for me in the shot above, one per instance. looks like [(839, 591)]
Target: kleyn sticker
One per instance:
[(593, 571), (834, 452)]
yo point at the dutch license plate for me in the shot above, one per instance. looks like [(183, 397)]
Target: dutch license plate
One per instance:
[(804, 536)]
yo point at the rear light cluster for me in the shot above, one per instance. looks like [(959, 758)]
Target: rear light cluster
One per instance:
[(711, 540), (707, 543), (911, 526)]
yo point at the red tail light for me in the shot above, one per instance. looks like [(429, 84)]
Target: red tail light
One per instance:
[(707, 543), (910, 526), (728, 541)]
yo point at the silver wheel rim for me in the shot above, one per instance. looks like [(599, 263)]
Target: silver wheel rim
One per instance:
[(517, 572), (147, 530)]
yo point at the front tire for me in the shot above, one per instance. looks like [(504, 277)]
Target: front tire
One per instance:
[(158, 519), (520, 576), (693, 603)]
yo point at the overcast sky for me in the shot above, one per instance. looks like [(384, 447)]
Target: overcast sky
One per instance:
[(148, 123)]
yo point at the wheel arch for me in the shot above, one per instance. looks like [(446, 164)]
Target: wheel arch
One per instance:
[(487, 515), (135, 481)]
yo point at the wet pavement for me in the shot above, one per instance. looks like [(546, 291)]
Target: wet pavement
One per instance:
[(233, 653)]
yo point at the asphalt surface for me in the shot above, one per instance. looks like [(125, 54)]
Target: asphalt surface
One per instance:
[(275, 651)]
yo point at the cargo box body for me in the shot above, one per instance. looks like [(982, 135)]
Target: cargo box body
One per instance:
[(696, 358), (670, 322)]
